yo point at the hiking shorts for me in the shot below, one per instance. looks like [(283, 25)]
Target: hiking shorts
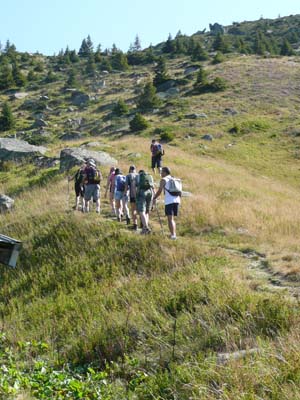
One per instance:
[(156, 162), (144, 201), (79, 190), (120, 196), (92, 190), (172, 209)]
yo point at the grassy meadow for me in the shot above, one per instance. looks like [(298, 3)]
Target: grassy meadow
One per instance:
[(95, 311)]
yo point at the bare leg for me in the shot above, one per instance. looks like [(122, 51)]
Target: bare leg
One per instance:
[(172, 225)]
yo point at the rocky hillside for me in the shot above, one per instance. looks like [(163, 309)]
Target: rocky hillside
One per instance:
[(94, 310)]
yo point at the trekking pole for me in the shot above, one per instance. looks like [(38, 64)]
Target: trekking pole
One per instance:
[(159, 218), (68, 195)]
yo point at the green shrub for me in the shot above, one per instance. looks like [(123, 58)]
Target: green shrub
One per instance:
[(138, 123)]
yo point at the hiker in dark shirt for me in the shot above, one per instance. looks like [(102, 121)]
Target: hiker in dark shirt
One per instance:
[(157, 152), (79, 187)]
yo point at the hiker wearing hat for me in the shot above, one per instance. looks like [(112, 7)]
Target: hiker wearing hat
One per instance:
[(121, 197), (79, 186), (144, 196), (131, 188), (92, 178), (109, 188), (172, 198)]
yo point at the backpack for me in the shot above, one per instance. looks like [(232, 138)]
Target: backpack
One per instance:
[(93, 176), (120, 183), (158, 150), (174, 186), (79, 176), (145, 181)]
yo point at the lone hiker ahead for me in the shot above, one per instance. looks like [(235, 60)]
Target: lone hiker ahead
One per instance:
[(157, 152), (172, 198)]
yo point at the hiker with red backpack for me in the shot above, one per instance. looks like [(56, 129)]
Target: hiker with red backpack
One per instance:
[(144, 195), (121, 197), (109, 188), (92, 179), (172, 189), (157, 152)]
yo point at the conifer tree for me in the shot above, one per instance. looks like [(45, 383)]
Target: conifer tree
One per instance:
[(286, 49), (201, 80), (120, 108), (19, 78), (220, 44), (74, 56), (161, 74), (72, 80), (86, 48), (199, 53), (6, 76), (169, 46), (119, 61), (138, 123), (148, 99), (90, 68), (7, 120)]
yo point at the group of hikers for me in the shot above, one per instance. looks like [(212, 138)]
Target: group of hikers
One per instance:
[(135, 189)]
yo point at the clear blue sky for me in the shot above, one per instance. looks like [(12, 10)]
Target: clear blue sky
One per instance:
[(48, 26)]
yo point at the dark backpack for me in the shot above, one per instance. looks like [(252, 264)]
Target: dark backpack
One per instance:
[(93, 175), (79, 177), (120, 183), (145, 181)]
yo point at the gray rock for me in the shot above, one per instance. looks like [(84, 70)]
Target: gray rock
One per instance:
[(75, 156), (216, 28), (166, 85), (40, 123), (79, 98), (230, 111), (195, 116), (190, 70), (173, 91), (46, 162), (75, 122), (6, 203), (14, 149), (44, 98), (72, 136), (19, 96), (207, 137)]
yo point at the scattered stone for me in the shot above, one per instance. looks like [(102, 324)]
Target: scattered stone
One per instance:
[(19, 96), (46, 162), (166, 85), (195, 116), (190, 70), (222, 358), (230, 111), (39, 123), (6, 203), (75, 156), (207, 137), (44, 98), (70, 109), (79, 98), (72, 136), (14, 149)]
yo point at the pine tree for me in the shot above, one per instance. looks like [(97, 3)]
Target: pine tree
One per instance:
[(6, 76), (7, 120), (148, 99), (201, 80), (90, 68), (51, 77), (199, 53), (19, 78), (138, 123), (86, 48), (119, 61), (74, 56), (286, 49), (72, 80), (169, 46), (161, 74), (120, 108), (220, 44)]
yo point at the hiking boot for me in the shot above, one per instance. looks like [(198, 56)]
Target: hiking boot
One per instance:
[(127, 220), (135, 227), (119, 219), (146, 231), (98, 210), (173, 237)]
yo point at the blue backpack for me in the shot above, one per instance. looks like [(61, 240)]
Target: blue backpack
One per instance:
[(120, 183)]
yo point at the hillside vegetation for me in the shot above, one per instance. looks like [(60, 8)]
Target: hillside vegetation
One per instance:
[(95, 311)]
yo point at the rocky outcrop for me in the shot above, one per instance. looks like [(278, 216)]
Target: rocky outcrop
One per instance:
[(6, 203), (14, 149), (76, 156)]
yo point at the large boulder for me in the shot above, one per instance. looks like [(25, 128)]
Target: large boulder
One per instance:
[(163, 87), (14, 149), (79, 98), (70, 157), (6, 203)]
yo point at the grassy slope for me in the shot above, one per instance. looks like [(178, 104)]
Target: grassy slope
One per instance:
[(95, 292)]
